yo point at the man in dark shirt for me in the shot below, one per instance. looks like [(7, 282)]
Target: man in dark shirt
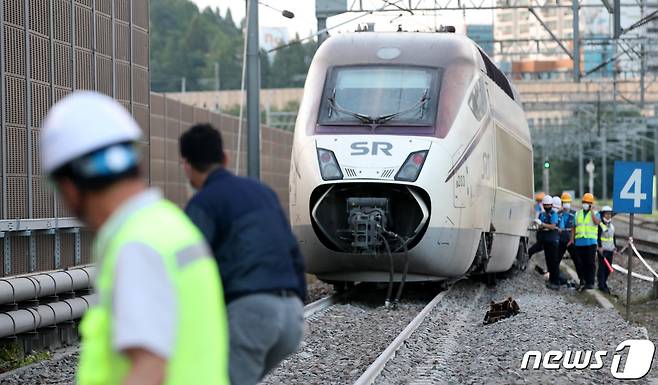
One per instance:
[(261, 266)]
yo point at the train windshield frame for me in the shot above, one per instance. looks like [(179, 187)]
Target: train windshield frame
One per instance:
[(385, 97)]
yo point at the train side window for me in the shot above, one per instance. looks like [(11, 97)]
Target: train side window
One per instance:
[(512, 153), (478, 99), (497, 75)]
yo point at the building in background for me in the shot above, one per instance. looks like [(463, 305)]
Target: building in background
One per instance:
[(533, 58), (483, 35), (596, 23)]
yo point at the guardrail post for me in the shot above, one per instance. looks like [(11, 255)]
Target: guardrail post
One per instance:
[(7, 256), (77, 248), (58, 250)]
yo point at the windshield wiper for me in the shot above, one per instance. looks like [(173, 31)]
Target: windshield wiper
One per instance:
[(420, 103), (365, 119)]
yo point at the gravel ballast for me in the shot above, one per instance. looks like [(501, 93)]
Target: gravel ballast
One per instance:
[(342, 341), (452, 346)]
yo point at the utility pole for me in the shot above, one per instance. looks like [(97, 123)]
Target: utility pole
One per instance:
[(217, 86), (253, 89), (576, 40), (182, 85), (581, 182)]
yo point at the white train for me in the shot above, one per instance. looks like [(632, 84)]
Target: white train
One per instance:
[(417, 135)]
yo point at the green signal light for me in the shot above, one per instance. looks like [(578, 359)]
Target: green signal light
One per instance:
[(547, 164)]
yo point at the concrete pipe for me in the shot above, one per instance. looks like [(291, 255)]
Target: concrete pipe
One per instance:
[(17, 289)]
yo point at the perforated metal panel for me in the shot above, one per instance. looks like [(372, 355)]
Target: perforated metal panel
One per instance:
[(141, 115), (141, 13), (17, 197), (140, 47), (83, 26), (67, 248), (39, 22), (15, 100), (63, 211), (122, 44), (36, 147), (45, 252), (62, 20), (39, 58), (54, 59), (40, 102), (104, 74), (60, 93), (122, 81), (104, 34), (20, 249), (84, 70), (43, 198), (62, 64), (16, 154), (104, 6), (86, 244), (14, 12), (14, 47)]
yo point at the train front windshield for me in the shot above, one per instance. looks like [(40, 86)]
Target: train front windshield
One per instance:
[(380, 95)]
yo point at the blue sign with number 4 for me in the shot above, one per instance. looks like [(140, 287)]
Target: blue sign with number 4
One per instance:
[(633, 187)]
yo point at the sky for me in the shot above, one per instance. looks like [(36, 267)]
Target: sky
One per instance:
[(305, 23)]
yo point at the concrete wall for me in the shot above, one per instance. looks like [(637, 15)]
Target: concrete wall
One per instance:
[(170, 118), (275, 98)]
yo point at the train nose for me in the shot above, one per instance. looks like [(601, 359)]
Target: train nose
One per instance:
[(354, 217)]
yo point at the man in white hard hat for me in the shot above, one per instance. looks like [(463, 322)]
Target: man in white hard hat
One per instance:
[(160, 317)]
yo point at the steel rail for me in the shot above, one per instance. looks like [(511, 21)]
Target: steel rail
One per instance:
[(326, 302), (370, 375)]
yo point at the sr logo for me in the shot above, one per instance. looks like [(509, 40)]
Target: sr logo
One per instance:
[(362, 148)]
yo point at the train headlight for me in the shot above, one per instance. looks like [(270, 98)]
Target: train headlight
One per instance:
[(329, 168), (411, 167)]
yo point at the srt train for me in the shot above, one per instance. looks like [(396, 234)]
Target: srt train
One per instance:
[(409, 141)]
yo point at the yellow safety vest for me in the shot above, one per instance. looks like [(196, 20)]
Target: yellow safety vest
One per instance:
[(607, 236), (200, 355), (585, 227)]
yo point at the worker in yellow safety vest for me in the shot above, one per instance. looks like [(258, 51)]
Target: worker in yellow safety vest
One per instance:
[(160, 317), (583, 237)]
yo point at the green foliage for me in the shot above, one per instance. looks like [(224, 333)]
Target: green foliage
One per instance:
[(187, 42), (12, 357)]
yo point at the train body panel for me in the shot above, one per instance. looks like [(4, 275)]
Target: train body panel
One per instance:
[(429, 176)]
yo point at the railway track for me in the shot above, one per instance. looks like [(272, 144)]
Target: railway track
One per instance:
[(373, 371)]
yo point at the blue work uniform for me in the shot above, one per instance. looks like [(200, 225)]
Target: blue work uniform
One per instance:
[(261, 267), (550, 241)]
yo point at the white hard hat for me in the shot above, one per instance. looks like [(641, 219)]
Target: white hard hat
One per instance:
[(557, 202), (547, 200), (81, 123), (606, 208)]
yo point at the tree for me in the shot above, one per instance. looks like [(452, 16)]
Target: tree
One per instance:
[(186, 42)]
